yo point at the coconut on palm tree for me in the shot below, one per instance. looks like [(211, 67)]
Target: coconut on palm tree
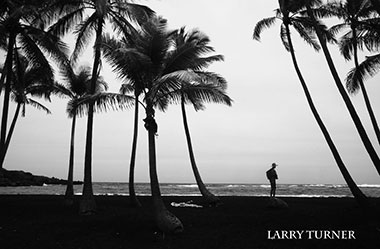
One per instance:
[(308, 4), (120, 13), (289, 16)]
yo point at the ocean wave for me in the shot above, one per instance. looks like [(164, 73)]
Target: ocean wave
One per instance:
[(337, 186), (184, 185), (369, 185), (236, 186), (316, 185), (265, 186), (313, 196), (293, 186)]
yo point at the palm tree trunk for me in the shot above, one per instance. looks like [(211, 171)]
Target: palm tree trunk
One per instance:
[(10, 133), (69, 194), (132, 194), (355, 190), (87, 204), (166, 221), (364, 91), (4, 119), (207, 195), (358, 124), (3, 74)]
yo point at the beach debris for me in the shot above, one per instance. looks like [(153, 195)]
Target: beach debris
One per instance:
[(188, 204)]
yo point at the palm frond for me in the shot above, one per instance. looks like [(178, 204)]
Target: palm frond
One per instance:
[(261, 25), (336, 29), (212, 78), (196, 94), (136, 12), (307, 35), (61, 91), (83, 35), (66, 22), (33, 53), (37, 105), (102, 102), (126, 88), (368, 68), (284, 37)]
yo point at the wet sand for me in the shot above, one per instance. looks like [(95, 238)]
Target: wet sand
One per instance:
[(39, 222)]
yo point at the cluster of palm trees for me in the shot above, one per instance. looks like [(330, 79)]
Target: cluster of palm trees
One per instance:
[(158, 67), (361, 27)]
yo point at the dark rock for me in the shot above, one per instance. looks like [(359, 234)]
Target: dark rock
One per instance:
[(277, 203), (21, 178)]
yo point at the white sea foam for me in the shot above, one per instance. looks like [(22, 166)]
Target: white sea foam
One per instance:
[(186, 185), (236, 186), (369, 185), (316, 185), (314, 196), (265, 186)]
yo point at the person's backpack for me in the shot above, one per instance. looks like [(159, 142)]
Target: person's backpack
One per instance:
[(269, 174)]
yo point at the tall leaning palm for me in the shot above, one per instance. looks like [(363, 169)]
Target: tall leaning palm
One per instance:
[(354, 13), (195, 45), (119, 13), (308, 4), (302, 25)]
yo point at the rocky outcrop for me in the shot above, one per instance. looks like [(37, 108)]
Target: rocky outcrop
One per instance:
[(21, 178), (277, 203)]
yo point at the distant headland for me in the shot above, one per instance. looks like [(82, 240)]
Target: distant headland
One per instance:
[(21, 178)]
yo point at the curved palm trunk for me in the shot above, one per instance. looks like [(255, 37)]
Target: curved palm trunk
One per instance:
[(4, 119), (165, 220), (355, 190), (355, 118), (87, 204), (132, 194), (364, 91), (10, 133), (207, 195), (69, 194)]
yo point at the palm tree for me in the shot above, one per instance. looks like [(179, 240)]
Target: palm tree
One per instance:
[(131, 183), (76, 85), (302, 25), (354, 13), (355, 118), (142, 59), (28, 80), (24, 32), (194, 44), (117, 12)]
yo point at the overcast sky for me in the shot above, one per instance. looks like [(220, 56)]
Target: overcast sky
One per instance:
[(269, 121)]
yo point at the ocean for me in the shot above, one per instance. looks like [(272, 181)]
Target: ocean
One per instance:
[(185, 189)]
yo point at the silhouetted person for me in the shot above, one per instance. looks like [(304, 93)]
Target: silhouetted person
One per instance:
[(272, 177)]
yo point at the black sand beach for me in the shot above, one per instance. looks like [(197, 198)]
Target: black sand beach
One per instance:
[(28, 222)]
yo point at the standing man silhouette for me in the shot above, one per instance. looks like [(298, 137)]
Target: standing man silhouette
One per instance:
[(272, 177)]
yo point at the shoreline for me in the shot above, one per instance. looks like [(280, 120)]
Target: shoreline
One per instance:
[(42, 221)]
